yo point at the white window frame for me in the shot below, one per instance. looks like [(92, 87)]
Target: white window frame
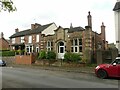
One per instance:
[(22, 39), (30, 39), (37, 49), (29, 48), (75, 46), (37, 38), (13, 40), (49, 47)]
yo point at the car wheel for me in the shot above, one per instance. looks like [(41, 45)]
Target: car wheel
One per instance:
[(102, 74)]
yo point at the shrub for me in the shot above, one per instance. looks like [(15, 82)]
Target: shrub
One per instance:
[(7, 53), (50, 55), (75, 57), (67, 56), (42, 55)]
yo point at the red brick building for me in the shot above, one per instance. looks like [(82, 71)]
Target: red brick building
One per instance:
[(4, 44), (30, 39), (59, 39)]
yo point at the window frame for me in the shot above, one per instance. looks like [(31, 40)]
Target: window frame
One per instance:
[(76, 45)]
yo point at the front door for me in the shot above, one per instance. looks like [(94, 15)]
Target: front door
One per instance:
[(61, 50)]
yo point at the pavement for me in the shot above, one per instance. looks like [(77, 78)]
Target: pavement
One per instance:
[(84, 69)]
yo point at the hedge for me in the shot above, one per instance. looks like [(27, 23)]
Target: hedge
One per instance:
[(7, 53)]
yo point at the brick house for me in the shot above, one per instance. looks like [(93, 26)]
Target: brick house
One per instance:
[(4, 44), (75, 39), (59, 39), (30, 39)]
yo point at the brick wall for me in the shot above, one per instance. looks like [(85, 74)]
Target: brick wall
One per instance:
[(25, 59), (4, 45)]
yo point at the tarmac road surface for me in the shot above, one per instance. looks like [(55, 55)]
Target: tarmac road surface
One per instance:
[(37, 78)]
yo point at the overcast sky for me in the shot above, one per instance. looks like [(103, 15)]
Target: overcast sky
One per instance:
[(61, 12)]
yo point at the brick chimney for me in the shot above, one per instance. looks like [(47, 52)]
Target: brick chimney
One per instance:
[(1, 35), (16, 30), (103, 32), (34, 26), (89, 19)]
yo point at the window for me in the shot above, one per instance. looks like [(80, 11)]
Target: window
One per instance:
[(37, 38), (76, 50), (22, 39), (117, 41), (30, 39), (71, 49), (75, 42), (37, 49), (76, 45), (80, 49), (80, 41), (29, 48), (13, 40), (49, 46)]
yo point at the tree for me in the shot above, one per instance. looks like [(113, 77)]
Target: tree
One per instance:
[(7, 5)]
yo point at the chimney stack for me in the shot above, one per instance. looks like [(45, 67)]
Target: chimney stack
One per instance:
[(16, 30), (34, 26), (71, 26), (103, 32), (1, 35), (89, 19)]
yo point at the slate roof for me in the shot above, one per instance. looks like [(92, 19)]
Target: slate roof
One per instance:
[(29, 31), (75, 29), (117, 6)]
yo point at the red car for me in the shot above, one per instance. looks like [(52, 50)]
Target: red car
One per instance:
[(109, 70)]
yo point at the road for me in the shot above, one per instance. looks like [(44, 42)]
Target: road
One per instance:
[(38, 78)]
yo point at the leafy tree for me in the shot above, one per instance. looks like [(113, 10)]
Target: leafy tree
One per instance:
[(7, 5)]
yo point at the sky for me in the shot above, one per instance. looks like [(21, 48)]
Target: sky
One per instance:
[(62, 13)]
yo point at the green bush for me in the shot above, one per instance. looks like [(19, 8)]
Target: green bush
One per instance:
[(7, 53), (21, 52), (42, 55), (74, 57), (67, 56), (50, 55)]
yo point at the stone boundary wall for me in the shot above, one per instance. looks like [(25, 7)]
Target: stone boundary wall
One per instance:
[(106, 56), (9, 60)]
